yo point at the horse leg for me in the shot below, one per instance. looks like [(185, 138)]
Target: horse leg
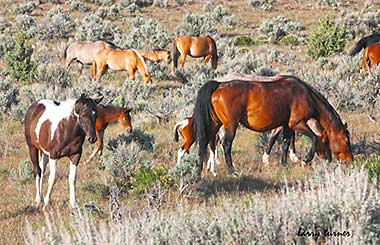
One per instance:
[(182, 60), (229, 136), (131, 72), (274, 134), (42, 165), (101, 69), (68, 62), (99, 146), (74, 160), (52, 167), (80, 66), (33, 154), (288, 134), (211, 159), (305, 129), (292, 154), (206, 59), (93, 70)]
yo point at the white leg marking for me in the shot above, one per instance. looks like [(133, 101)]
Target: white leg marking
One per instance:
[(72, 178), (211, 163), (181, 152), (293, 156), (265, 158), (38, 191), (52, 166)]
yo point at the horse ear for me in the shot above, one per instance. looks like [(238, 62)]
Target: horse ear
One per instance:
[(345, 127), (128, 110), (97, 100), (82, 97)]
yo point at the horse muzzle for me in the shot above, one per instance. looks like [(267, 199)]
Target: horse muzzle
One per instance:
[(92, 140), (129, 130)]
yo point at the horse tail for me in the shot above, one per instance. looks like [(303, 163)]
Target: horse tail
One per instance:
[(357, 47), (142, 66), (175, 131), (65, 51), (364, 59), (214, 57), (176, 54), (202, 117)]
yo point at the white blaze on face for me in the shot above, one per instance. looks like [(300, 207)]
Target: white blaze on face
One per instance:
[(54, 113)]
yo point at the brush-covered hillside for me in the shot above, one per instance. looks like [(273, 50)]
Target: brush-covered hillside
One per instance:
[(135, 193)]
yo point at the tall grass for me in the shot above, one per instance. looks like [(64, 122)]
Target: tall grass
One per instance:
[(332, 200)]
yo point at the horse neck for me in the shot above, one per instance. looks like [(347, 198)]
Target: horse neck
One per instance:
[(110, 113), (328, 117)]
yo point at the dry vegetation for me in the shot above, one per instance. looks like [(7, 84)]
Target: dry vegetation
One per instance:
[(264, 204)]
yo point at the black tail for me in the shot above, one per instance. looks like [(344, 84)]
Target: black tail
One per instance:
[(363, 43), (202, 117), (64, 52), (176, 54), (176, 136)]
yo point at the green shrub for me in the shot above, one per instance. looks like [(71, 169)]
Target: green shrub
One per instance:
[(8, 96), (18, 60), (146, 177), (24, 171), (244, 41), (327, 39)]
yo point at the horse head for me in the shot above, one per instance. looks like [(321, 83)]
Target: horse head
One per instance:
[(85, 111), (125, 119), (340, 144)]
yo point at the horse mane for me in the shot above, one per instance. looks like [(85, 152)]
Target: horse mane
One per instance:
[(364, 43), (317, 95), (141, 59)]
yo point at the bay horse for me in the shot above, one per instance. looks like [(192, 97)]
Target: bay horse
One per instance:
[(156, 55), (58, 129), (364, 43), (105, 115), (371, 55), (120, 60), (195, 47), (251, 104), (84, 52)]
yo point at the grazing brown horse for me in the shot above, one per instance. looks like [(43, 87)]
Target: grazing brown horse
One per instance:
[(252, 104), (84, 52), (185, 129), (156, 55), (119, 60), (54, 130), (195, 47), (106, 115), (364, 43), (371, 54)]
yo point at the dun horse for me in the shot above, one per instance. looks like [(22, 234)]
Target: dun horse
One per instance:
[(195, 47), (54, 130), (364, 43), (84, 52), (119, 60), (251, 103), (156, 55), (371, 55), (106, 115)]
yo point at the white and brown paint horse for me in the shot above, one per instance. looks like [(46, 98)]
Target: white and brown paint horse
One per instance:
[(105, 115), (185, 129), (54, 130), (84, 52)]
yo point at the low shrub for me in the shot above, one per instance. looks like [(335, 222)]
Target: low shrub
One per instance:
[(244, 41)]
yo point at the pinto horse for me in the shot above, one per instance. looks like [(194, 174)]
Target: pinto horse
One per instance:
[(155, 55), (107, 114), (195, 47), (54, 130), (84, 52), (364, 43), (371, 54), (251, 103), (121, 60), (185, 129)]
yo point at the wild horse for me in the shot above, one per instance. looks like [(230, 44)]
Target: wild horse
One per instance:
[(54, 130), (260, 106)]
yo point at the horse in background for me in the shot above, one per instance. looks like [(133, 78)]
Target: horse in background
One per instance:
[(107, 114), (251, 104), (156, 55), (84, 52), (364, 43), (371, 55), (58, 129), (120, 60), (195, 47)]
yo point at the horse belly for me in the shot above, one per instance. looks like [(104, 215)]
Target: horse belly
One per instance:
[(116, 64)]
